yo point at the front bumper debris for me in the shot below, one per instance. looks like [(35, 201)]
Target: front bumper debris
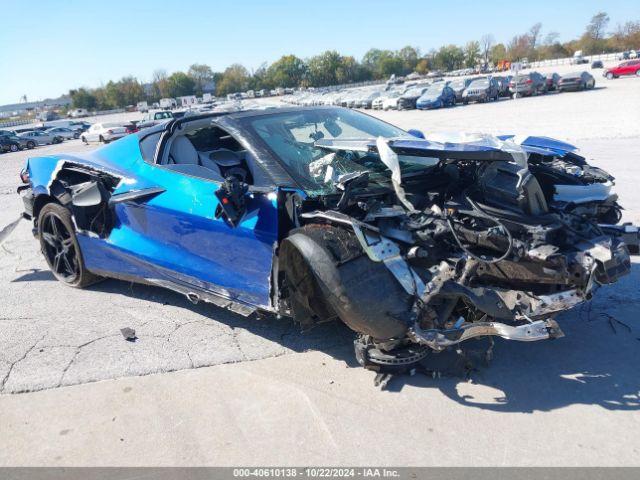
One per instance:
[(531, 332)]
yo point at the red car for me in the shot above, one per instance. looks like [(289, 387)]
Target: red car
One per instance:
[(630, 67)]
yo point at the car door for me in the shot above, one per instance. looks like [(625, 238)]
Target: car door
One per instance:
[(625, 68), (38, 137), (175, 232)]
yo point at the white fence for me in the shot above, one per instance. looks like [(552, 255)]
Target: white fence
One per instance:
[(605, 57)]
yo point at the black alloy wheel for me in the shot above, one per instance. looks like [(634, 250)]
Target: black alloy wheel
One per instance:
[(60, 246)]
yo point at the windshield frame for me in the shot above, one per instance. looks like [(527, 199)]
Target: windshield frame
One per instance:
[(301, 182)]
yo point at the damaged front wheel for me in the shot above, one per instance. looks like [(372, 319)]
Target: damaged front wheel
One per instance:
[(60, 247)]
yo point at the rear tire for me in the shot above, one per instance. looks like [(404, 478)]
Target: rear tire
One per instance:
[(610, 75), (60, 247), (31, 145)]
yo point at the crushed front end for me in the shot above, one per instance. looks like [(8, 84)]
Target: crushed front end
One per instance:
[(483, 237)]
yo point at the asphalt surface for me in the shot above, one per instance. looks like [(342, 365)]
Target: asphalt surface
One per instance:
[(572, 401)]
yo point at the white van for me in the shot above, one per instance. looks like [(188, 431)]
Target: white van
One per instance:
[(78, 113)]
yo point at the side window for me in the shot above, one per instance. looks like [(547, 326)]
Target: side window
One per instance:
[(148, 147), (211, 153)]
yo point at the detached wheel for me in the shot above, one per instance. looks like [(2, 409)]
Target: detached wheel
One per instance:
[(60, 247)]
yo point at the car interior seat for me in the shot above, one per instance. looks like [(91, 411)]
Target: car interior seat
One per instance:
[(183, 152), (183, 157), (230, 163)]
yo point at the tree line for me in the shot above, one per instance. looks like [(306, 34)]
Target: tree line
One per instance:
[(333, 68)]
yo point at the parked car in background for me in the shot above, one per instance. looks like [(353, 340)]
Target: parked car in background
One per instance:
[(71, 124), (390, 102), (378, 103), (578, 59), (525, 85), (78, 113), (458, 87), (153, 118), (23, 142), (632, 67), (80, 126), (503, 85), (9, 144), (552, 80), (437, 95), (367, 101), (481, 90), (407, 101), (131, 128), (576, 81), (41, 138), (597, 64), (63, 132), (104, 133)]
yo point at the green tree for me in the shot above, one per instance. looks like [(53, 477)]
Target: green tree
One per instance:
[(114, 96), (288, 71), (409, 57), (131, 91), (201, 75), (83, 98), (234, 79), (498, 52), (180, 84), (323, 68), (449, 57), (471, 54)]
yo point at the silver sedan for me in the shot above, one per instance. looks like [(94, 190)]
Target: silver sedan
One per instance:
[(63, 132), (41, 138)]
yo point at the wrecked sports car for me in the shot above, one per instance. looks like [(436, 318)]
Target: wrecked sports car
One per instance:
[(417, 244)]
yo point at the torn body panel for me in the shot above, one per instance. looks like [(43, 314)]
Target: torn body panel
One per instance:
[(479, 247)]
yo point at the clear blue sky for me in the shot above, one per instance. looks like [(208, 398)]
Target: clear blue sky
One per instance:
[(50, 46)]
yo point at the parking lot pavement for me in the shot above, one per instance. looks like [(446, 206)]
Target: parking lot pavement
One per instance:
[(569, 402)]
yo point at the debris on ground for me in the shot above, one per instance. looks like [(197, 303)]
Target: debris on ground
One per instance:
[(129, 334)]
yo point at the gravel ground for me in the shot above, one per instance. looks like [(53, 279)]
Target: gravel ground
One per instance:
[(51, 335)]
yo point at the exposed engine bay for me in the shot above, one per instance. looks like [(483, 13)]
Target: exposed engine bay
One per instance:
[(477, 244)]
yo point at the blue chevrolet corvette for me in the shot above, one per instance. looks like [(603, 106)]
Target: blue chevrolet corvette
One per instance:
[(325, 214)]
